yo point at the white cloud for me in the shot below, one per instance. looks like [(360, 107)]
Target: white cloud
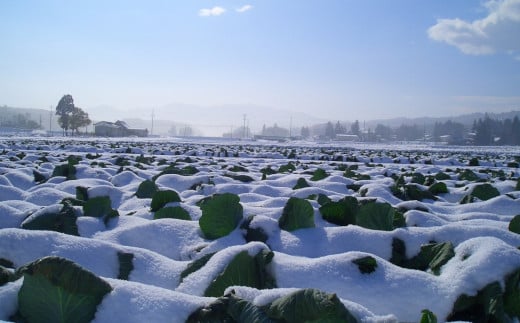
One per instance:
[(215, 11), (244, 8), (499, 31)]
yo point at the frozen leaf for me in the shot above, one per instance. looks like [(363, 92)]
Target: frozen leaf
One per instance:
[(297, 214), (221, 214), (57, 290)]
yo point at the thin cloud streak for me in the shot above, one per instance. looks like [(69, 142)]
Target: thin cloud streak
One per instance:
[(215, 11), (244, 8)]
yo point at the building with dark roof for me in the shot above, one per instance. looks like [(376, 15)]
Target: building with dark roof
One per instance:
[(117, 129)]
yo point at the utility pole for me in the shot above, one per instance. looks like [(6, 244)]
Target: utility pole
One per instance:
[(50, 121), (290, 128), (153, 115), (244, 135)]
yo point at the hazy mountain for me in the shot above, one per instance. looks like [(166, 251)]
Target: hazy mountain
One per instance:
[(225, 117), (215, 120), (40, 116), (209, 121), (465, 119)]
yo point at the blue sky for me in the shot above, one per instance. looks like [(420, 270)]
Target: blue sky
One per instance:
[(334, 59)]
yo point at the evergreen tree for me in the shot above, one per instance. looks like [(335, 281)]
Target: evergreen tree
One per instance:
[(483, 129), (454, 130), (383, 132), (497, 132), (339, 129), (354, 128), (408, 133), (506, 132), (515, 125), (305, 132), (275, 131), (329, 131)]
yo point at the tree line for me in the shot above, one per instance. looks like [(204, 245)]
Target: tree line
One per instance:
[(380, 133), (18, 121), (496, 132), (484, 131)]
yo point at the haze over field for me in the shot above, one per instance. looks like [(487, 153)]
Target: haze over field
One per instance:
[(342, 60)]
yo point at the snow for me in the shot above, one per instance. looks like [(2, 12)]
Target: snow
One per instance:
[(376, 291), (321, 257), (169, 237), (9, 298), (135, 302)]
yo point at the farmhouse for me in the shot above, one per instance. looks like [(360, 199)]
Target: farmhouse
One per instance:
[(117, 129), (345, 137)]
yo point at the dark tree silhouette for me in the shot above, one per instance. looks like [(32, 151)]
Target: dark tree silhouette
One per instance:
[(497, 132), (354, 128), (383, 132), (454, 130), (70, 116), (329, 131), (77, 119), (484, 131), (305, 132), (276, 131), (18, 120), (64, 110), (515, 125), (339, 129), (408, 132)]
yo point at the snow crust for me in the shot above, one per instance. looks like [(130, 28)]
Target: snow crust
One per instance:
[(321, 257)]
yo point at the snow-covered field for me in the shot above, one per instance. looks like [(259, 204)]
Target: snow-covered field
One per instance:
[(169, 227)]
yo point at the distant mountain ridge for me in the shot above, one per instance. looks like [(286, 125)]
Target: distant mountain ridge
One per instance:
[(219, 119)]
